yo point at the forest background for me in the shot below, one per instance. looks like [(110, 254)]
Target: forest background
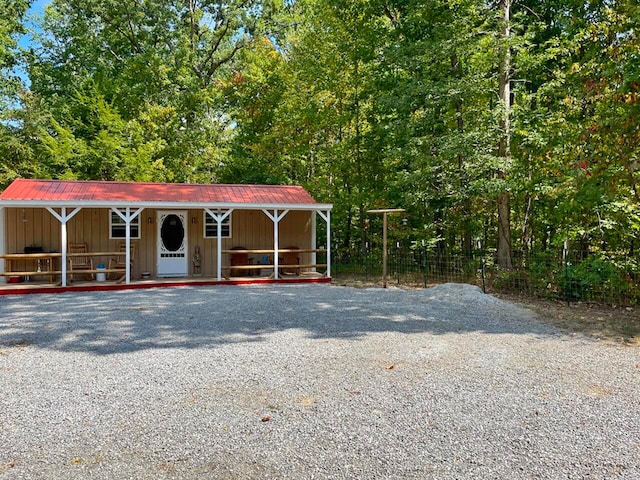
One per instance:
[(513, 125)]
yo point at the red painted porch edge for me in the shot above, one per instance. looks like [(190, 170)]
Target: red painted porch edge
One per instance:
[(100, 288)]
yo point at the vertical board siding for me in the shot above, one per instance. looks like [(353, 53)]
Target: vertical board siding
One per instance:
[(251, 229), (295, 231), (91, 226), (146, 245), (30, 227)]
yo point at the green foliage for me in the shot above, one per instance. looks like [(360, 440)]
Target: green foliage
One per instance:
[(110, 71), (366, 103), (11, 28), (593, 277)]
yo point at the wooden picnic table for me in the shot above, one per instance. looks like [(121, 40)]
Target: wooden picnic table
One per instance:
[(45, 264), (250, 266)]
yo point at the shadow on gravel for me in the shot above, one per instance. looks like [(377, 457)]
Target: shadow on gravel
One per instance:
[(105, 323)]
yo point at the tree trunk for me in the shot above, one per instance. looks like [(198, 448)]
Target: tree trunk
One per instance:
[(504, 231), (467, 241), (504, 147), (441, 246), (527, 222), (527, 230), (363, 232), (346, 241)]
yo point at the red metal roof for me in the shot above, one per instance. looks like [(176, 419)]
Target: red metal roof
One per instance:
[(101, 191)]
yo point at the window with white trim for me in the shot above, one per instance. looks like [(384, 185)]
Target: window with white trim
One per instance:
[(211, 226), (118, 227)]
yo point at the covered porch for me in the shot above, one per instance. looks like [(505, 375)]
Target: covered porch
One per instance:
[(140, 283), (116, 234)]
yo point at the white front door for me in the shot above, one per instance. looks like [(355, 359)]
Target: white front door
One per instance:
[(172, 243)]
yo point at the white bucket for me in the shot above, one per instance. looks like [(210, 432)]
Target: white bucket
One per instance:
[(101, 277)]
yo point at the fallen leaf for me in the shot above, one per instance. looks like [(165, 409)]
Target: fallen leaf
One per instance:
[(169, 467), (389, 367), (307, 401)]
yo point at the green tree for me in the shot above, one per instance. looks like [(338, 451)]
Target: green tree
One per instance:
[(11, 28), (303, 106), (135, 59), (437, 90), (15, 154), (605, 101)]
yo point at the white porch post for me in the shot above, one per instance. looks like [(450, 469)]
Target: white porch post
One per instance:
[(314, 239), (219, 247), (3, 243), (63, 246), (127, 217), (63, 218), (219, 218), (127, 247), (275, 218), (327, 218), (329, 243)]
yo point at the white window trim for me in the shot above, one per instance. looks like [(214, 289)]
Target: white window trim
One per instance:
[(226, 221), (134, 222)]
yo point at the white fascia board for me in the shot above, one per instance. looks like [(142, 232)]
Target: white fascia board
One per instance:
[(167, 205)]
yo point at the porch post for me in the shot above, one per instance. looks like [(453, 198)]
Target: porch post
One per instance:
[(275, 218), (3, 245), (276, 245), (329, 243), (219, 218), (127, 247), (63, 246), (327, 218), (314, 239), (219, 249), (63, 218), (128, 217)]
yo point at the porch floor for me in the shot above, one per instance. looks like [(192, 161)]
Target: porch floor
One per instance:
[(93, 285)]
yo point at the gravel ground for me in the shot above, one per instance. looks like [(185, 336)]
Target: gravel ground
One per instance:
[(302, 382)]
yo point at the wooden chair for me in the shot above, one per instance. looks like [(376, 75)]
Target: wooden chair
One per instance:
[(120, 262), (79, 262), (291, 258)]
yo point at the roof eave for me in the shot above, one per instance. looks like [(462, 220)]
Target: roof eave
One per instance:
[(172, 205)]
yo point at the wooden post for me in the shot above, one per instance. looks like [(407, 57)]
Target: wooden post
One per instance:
[(384, 239), (3, 244), (327, 218)]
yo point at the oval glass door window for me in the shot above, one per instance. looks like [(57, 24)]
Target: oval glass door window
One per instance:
[(172, 233)]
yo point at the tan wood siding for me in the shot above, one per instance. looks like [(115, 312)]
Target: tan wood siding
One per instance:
[(30, 227), (251, 229), (147, 243)]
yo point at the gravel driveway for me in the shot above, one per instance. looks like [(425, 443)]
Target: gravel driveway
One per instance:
[(302, 382)]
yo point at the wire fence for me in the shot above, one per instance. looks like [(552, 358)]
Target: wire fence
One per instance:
[(571, 276)]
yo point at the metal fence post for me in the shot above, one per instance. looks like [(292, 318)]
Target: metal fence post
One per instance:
[(424, 264), (366, 261), (398, 263)]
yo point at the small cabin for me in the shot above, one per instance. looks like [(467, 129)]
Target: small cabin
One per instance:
[(59, 231)]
